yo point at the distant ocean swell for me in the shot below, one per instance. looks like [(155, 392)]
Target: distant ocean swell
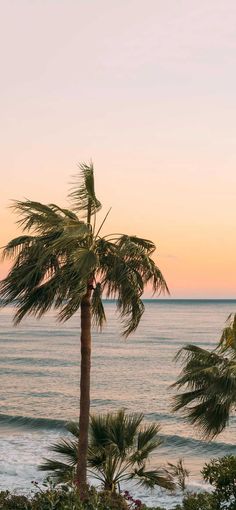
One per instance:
[(169, 441)]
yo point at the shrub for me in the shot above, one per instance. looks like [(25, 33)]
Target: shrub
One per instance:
[(12, 502), (198, 501), (221, 474), (63, 498)]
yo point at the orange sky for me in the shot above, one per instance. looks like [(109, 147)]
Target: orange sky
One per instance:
[(145, 89)]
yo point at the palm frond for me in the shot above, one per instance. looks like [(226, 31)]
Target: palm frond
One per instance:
[(147, 442), (151, 478), (123, 429), (209, 379), (73, 302), (146, 245), (228, 337), (66, 448), (97, 307), (73, 428), (83, 193), (60, 471), (13, 248), (36, 216), (125, 268)]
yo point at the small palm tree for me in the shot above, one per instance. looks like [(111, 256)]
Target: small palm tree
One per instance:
[(62, 261), (119, 449), (180, 472), (210, 380)]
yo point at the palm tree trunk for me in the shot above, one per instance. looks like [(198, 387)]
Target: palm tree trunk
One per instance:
[(81, 472)]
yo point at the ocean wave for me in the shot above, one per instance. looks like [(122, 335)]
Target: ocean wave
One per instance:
[(200, 446), (187, 444), (41, 362), (32, 423)]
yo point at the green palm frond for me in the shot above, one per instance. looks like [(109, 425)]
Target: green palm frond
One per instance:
[(123, 429), (209, 380), (151, 478), (147, 442), (144, 245), (60, 471), (97, 306), (98, 433), (125, 269), (83, 193), (14, 247), (73, 428), (67, 213), (73, 302), (180, 472), (228, 337), (118, 449), (37, 216), (66, 448)]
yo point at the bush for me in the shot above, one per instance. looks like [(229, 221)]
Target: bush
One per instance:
[(62, 498), (198, 501), (12, 502), (221, 474)]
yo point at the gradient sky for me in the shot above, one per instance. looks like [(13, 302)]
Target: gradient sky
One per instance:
[(146, 88)]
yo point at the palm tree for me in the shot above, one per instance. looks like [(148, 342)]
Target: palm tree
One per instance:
[(119, 449), (180, 472), (62, 261), (209, 379)]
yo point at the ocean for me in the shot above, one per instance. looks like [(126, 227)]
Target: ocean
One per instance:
[(39, 373)]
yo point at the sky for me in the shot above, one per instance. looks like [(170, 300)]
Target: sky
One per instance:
[(146, 89)]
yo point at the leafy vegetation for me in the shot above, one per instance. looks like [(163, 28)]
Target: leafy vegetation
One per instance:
[(63, 498), (180, 473), (119, 450), (198, 501), (221, 474), (209, 379)]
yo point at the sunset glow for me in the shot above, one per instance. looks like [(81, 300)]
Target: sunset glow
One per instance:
[(145, 89)]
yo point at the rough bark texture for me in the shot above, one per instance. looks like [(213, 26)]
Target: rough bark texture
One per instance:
[(81, 475)]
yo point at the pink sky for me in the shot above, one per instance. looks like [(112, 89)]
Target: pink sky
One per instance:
[(147, 90)]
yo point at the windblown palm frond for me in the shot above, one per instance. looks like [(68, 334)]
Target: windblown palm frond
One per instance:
[(152, 478), (119, 449), (83, 194), (210, 381), (180, 473), (228, 337), (125, 269)]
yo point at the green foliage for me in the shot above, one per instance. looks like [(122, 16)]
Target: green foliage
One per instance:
[(179, 472), (221, 474), (83, 193), (209, 379), (62, 498), (228, 337), (119, 450), (10, 501), (198, 501), (61, 255)]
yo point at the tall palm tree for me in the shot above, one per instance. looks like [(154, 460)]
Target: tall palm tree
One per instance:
[(119, 449), (209, 379), (62, 261)]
